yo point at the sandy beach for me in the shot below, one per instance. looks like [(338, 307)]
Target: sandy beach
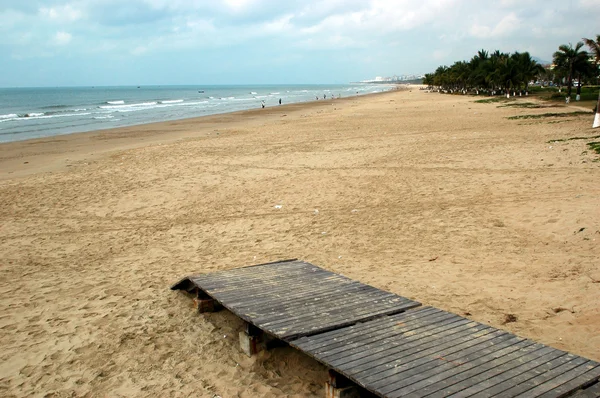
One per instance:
[(434, 197)]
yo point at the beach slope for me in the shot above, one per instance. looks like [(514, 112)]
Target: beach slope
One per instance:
[(434, 197)]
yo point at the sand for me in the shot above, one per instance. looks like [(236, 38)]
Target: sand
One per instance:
[(430, 196)]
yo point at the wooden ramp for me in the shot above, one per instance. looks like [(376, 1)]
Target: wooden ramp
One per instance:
[(387, 344), (291, 299)]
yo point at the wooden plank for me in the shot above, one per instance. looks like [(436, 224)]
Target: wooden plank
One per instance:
[(281, 295), (529, 362), (402, 359), (352, 311), (355, 339), (525, 381), (339, 322), (407, 336), (378, 369), (242, 277), (409, 370), (592, 375), (560, 376), (365, 302), (249, 282), (313, 343), (323, 339), (444, 371), (325, 304), (592, 391), (505, 351), (294, 304), (255, 289), (248, 286), (488, 371)]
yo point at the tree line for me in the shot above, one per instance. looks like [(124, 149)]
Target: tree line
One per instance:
[(498, 72)]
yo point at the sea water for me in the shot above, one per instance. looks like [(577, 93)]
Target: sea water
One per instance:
[(27, 113)]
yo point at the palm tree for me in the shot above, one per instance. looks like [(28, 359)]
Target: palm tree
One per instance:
[(595, 51), (568, 59), (527, 68)]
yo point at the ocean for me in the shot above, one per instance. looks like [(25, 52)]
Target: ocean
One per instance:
[(27, 113)]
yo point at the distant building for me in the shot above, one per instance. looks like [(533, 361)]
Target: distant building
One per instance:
[(394, 79)]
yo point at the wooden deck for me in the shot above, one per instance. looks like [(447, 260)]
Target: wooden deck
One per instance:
[(291, 299), (388, 344), (433, 353)]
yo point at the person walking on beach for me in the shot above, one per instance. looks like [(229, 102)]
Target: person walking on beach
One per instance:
[(279, 101)]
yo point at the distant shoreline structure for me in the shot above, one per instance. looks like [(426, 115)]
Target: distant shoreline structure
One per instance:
[(404, 79)]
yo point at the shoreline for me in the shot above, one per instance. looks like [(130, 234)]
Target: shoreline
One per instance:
[(39, 153), (435, 198)]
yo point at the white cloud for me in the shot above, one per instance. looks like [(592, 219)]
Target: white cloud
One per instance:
[(590, 4), (238, 5), (64, 13), (139, 50), (61, 38), (507, 25)]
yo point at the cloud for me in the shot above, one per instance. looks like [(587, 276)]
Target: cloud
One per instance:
[(354, 36), (63, 13), (61, 38), (507, 25)]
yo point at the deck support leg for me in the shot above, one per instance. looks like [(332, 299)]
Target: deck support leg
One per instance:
[(204, 303), (339, 386), (251, 339)]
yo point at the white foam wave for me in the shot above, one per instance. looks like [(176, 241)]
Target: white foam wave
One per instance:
[(120, 102), (138, 105), (274, 93), (103, 117), (34, 114), (171, 101), (253, 92), (42, 116), (9, 116)]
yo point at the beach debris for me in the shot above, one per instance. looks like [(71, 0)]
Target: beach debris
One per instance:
[(561, 309), (434, 258), (509, 318), (316, 211), (580, 230), (278, 206), (339, 257), (323, 233), (354, 211)]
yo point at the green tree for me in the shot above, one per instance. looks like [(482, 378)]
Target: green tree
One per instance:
[(570, 60), (594, 46), (527, 68)]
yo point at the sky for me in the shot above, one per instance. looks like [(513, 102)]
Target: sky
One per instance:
[(135, 42)]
